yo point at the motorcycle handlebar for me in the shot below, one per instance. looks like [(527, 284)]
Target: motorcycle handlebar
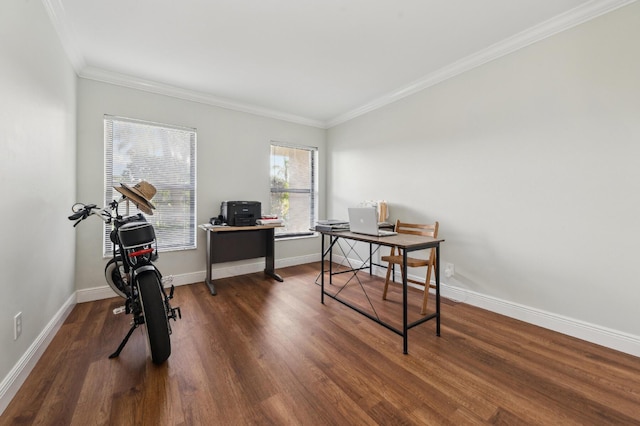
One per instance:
[(81, 212)]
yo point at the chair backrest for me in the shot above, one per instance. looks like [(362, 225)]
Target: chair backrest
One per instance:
[(428, 230)]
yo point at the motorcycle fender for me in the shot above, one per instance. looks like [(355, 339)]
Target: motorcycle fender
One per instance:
[(145, 268)]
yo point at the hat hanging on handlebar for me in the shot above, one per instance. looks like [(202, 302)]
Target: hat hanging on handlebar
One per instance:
[(140, 194)]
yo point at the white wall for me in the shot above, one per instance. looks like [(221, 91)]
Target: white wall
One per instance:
[(37, 177), (232, 164), (530, 163)]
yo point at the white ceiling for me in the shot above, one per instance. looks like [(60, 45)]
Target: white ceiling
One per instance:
[(317, 62)]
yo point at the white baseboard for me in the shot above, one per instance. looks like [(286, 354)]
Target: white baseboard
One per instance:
[(105, 292), (613, 339), (231, 269), (19, 373)]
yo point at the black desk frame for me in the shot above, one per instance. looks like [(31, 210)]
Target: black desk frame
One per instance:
[(407, 243), (230, 243)]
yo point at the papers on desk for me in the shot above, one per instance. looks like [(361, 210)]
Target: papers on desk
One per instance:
[(332, 225), (207, 226), (273, 222), (332, 222)]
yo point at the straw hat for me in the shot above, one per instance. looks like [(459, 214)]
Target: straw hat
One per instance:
[(140, 194)]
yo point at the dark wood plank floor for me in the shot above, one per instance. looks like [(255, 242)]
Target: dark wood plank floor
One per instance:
[(263, 352)]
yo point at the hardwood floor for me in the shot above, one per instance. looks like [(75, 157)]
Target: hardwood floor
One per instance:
[(263, 352)]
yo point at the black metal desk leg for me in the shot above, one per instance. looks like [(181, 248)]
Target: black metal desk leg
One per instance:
[(404, 303), (208, 280), (437, 290), (331, 240), (322, 271), (269, 260)]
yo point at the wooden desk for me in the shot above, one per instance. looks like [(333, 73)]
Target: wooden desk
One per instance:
[(230, 243), (407, 243)]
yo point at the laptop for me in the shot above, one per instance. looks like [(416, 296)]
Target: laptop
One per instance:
[(364, 220)]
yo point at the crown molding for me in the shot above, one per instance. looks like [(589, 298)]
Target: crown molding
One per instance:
[(58, 17), (555, 25), (67, 36), (539, 32), (102, 75)]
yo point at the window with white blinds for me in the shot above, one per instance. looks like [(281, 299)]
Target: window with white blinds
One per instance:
[(164, 156), (294, 188)]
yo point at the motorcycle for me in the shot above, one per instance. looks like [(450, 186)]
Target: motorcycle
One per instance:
[(133, 276)]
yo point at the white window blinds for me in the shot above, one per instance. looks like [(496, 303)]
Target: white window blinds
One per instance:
[(294, 192), (164, 156)]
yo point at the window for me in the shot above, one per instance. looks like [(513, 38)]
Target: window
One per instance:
[(294, 188), (164, 156)]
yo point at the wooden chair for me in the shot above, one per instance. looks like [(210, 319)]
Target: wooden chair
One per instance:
[(395, 258)]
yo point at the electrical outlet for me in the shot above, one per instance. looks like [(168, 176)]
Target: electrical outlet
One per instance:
[(17, 325), (449, 270)]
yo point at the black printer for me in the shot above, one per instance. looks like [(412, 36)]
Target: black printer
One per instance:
[(240, 213)]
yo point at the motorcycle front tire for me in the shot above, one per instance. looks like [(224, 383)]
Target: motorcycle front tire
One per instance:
[(155, 316)]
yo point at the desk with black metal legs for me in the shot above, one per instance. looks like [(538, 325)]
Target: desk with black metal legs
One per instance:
[(229, 243), (407, 243)]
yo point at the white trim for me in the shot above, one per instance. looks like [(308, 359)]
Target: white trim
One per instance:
[(539, 32), (233, 269), (13, 381), (111, 77), (130, 120), (105, 292), (230, 269), (293, 145), (299, 260), (562, 22), (18, 374), (94, 293), (58, 17), (613, 339)]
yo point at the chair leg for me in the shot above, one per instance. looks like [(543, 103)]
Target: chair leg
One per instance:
[(427, 286), (386, 282)]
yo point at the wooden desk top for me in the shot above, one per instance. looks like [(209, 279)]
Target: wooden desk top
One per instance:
[(404, 241)]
